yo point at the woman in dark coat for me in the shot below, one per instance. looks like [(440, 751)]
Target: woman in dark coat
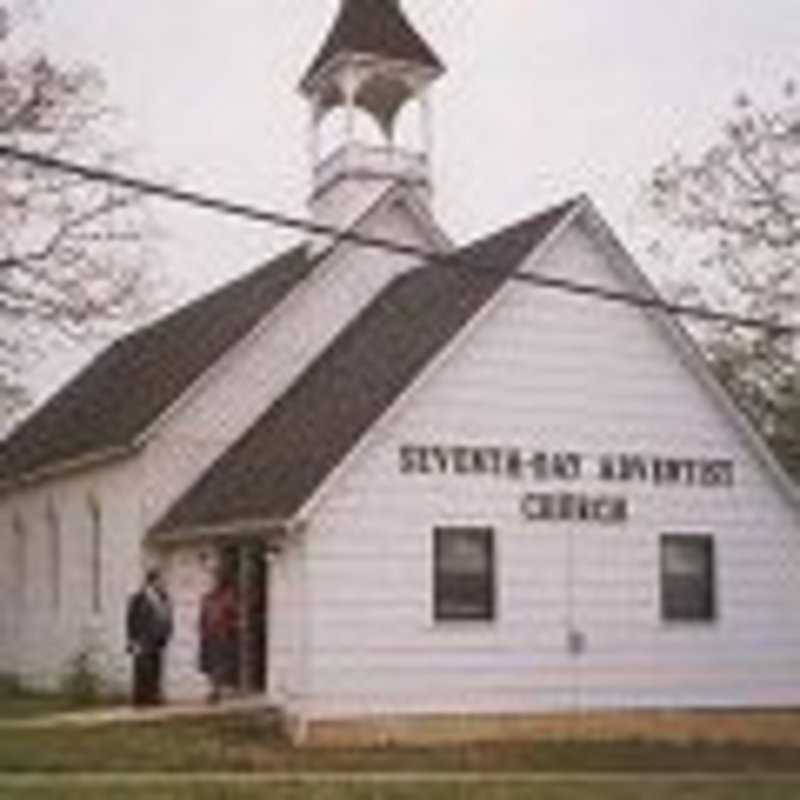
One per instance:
[(219, 618)]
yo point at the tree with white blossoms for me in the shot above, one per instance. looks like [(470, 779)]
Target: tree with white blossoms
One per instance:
[(737, 209), (73, 254)]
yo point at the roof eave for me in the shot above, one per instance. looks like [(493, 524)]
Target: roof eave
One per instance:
[(273, 531), (61, 469)]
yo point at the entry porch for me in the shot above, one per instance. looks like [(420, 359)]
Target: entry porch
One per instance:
[(192, 569)]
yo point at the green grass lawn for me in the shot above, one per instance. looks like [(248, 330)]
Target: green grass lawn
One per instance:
[(55, 758), (252, 743), (16, 703)]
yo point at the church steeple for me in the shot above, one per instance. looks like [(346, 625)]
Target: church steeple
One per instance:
[(372, 61)]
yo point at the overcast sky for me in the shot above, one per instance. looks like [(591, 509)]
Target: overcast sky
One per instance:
[(542, 99)]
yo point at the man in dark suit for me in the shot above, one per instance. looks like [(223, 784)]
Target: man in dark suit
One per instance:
[(149, 628)]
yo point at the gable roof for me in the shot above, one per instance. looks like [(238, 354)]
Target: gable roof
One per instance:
[(278, 464), (123, 391), (374, 27)]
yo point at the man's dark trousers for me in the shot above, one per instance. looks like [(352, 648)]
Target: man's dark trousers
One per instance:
[(147, 667)]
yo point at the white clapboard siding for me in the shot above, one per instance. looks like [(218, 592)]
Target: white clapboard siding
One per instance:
[(40, 639), (287, 643), (544, 370)]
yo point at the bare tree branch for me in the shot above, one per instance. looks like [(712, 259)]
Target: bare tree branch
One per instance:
[(71, 252), (737, 210)]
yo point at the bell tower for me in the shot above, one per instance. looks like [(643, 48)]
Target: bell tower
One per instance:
[(374, 63)]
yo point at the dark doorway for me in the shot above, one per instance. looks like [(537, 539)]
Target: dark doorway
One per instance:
[(244, 563)]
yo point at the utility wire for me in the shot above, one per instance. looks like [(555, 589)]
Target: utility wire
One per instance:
[(252, 213)]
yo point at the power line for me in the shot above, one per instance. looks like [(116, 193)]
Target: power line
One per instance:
[(254, 214)]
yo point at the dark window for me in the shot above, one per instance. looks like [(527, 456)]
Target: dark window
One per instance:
[(687, 578), (464, 574)]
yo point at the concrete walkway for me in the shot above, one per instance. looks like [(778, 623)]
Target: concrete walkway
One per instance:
[(97, 717)]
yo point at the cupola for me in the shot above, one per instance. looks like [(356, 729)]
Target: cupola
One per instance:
[(374, 63)]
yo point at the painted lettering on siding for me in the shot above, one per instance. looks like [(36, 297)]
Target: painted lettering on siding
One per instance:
[(520, 463), (530, 464), (565, 506)]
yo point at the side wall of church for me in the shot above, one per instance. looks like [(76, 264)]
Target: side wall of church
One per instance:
[(70, 553), (578, 619)]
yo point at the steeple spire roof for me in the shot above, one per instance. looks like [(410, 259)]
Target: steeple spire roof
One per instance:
[(376, 28)]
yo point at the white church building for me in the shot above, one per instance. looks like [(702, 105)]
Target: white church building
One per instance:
[(448, 491)]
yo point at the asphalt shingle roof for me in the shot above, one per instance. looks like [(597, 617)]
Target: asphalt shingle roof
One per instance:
[(277, 465), (129, 385)]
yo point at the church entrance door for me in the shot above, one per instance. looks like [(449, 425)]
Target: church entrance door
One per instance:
[(245, 563)]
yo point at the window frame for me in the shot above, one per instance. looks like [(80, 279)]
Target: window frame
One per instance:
[(489, 612), (709, 613)]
